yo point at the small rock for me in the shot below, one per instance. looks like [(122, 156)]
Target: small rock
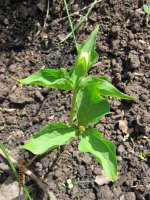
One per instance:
[(82, 171), (104, 192), (123, 126), (39, 166), (6, 22), (145, 118), (121, 149), (12, 68), (89, 196), (2, 120), (11, 120), (101, 179), (93, 17), (115, 31), (44, 35), (9, 190), (23, 11), (3, 91), (87, 158), (41, 5), (39, 95), (61, 36), (19, 97), (130, 196), (58, 173), (52, 185), (117, 192), (2, 70), (134, 61)]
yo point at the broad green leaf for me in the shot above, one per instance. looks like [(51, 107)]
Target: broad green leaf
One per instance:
[(51, 78), (103, 150), (90, 105), (87, 55), (85, 81), (107, 89), (50, 137)]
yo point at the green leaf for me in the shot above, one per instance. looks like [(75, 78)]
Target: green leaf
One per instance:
[(85, 81), (146, 8), (50, 137), (107, 89), (87, 55), (51, 78), (90, 105), (103, 150)]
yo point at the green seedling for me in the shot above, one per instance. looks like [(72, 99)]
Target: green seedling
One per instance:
[(147, 11), (69, 184), (143, 155), (126, 137), (88, 107)]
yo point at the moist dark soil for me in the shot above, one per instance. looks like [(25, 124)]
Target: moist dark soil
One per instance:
[(26, 44)]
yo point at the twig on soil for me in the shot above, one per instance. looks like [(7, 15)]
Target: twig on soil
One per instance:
[(122, 179), (31, 161), (132, 143), (40, 29), (73, 14), (32, 176), (47, 14), (70, 22), (84, 18), (9, 110)]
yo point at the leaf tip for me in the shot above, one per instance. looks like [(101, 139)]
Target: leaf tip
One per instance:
[(133, 98), (20, 80)]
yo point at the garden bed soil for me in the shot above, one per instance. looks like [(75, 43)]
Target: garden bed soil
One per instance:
[(124, 50)]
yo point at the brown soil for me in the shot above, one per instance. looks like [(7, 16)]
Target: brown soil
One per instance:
[(124, 49)]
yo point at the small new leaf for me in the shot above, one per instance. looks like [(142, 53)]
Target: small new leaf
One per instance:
[(146, 9), (90, 105), (50, 78), (50, 137), (87, 55), (103, 150)]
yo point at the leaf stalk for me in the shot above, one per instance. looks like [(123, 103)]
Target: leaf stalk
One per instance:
[(73, 107)]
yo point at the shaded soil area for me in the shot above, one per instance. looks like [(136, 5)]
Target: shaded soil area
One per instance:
[(27, 43)]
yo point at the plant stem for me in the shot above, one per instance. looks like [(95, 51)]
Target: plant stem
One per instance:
[(73, 107)]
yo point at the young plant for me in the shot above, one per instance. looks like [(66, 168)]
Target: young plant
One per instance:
[(88, 105), (143, 155), (69, 184), (147, 11)]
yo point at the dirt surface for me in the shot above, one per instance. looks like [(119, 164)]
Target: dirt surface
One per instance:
[(124, 49)]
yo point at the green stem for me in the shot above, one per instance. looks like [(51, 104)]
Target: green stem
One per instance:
[(73, 107)]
